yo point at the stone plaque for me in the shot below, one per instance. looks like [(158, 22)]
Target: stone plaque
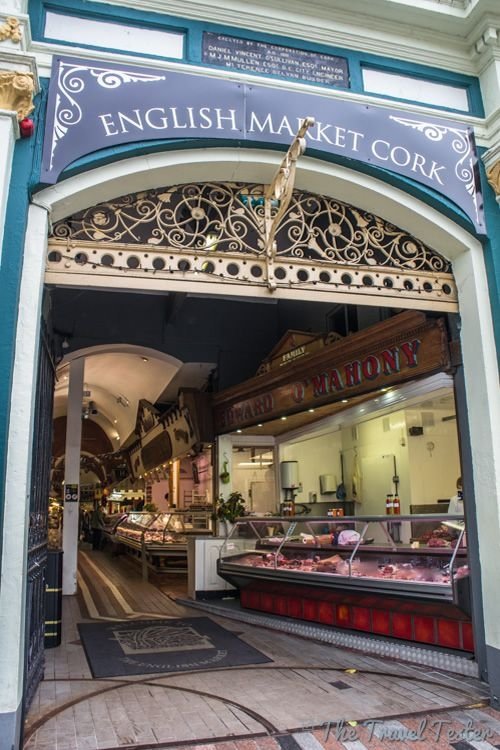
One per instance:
[(273, 59)]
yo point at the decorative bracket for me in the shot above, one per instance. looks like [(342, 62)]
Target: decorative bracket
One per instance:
[(16, 93), (493, 175), (11, 29), (279, 194)]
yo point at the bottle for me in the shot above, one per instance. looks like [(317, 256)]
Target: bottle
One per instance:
[(388, 505), (396, 506)]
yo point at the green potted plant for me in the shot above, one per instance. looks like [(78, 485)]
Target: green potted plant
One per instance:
[(228, 509)]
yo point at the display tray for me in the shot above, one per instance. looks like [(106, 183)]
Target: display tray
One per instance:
[(155, 548), (241, 569), (335, 554)]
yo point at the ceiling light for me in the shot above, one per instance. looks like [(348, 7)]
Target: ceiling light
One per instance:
[(145, 359), (283, 419), (310, 411), (260, 424), (345, 400), (238, 430)]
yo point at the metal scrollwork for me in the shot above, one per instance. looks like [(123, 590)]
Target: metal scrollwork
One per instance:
[(72, 81), (229, 218)]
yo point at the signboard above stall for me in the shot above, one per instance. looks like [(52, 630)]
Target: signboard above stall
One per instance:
[(163, 437), (96, 105), (403, 348)]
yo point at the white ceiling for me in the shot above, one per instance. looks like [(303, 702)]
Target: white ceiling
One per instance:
[(117, 377)]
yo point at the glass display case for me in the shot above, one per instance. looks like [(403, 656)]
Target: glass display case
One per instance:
[(156, 529), (111, 521), (422, 556)]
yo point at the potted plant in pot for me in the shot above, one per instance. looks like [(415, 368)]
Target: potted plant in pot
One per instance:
[(228, 509)]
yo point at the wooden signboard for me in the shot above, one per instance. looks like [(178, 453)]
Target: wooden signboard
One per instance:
[(402, 348), (163, 437)]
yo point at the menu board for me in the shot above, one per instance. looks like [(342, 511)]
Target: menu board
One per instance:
[(273, 59)]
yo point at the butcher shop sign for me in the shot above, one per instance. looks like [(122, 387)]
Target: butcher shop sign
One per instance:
[(352, 366), (94, 106)]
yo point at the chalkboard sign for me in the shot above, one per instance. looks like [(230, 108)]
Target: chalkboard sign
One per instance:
[(272, 59)]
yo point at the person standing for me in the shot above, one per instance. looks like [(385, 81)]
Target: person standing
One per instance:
[(456, 504), (97, 523)]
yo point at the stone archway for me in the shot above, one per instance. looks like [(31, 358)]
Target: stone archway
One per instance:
[(418, 218)]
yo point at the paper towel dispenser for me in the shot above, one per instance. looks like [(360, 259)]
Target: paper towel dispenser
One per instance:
[(327, 484)]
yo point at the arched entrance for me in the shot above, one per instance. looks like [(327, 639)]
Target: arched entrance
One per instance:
[(369, 195)]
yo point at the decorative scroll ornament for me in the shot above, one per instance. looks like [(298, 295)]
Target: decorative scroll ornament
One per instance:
[(72, 79), (11, 30), (216, 219), (16, 93), (493, 175), (461, 145)]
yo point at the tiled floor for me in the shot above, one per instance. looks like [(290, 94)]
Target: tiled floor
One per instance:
[(310, 696)]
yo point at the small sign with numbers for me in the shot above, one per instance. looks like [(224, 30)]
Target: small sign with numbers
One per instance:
[(71, 493)]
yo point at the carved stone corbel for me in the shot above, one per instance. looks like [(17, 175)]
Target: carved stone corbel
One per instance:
[(11, 29), (493, 175), (16, 92)]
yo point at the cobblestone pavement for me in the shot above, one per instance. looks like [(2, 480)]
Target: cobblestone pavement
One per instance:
[(310, 695), (462, 729)]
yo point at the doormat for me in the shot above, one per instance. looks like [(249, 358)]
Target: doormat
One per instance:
[(118, 649)]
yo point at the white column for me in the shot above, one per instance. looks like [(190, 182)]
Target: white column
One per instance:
[(8, 132), (72, 474), (18, 471), (483, 402)]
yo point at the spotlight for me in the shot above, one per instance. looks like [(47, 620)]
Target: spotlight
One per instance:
[(65, 343)]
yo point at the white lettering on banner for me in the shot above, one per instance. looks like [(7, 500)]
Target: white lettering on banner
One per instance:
[(169, 118), (401, 157), (189, 118), (339, 137)]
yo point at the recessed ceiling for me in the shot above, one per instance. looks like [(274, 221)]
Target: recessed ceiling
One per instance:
[(116, 378)]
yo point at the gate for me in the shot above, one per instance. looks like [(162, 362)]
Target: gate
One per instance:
[(38, 518)]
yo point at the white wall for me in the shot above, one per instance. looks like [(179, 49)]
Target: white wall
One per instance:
[(315, 456), (433, 471)]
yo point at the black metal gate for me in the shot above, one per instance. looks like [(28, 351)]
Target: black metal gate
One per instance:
[(38, 517)]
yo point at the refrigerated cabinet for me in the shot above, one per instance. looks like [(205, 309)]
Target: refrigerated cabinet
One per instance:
[(160, 539), (401, 576)]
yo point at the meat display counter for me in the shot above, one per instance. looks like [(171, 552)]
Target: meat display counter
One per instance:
[(160, 539), (357, 567)]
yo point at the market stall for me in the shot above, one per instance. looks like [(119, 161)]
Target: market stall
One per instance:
[(159, 540), (353, 572)]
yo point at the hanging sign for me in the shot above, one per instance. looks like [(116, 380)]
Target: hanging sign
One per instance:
[(95, 106)]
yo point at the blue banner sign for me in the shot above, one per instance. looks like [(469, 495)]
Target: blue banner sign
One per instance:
[(94, 106)]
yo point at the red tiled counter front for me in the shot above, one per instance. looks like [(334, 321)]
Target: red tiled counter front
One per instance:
[(440, 624)]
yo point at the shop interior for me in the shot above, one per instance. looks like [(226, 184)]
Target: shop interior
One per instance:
[(346, 457)]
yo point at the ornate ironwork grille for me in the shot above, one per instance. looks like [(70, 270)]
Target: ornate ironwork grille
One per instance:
[(38, 518), (215, 232)]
